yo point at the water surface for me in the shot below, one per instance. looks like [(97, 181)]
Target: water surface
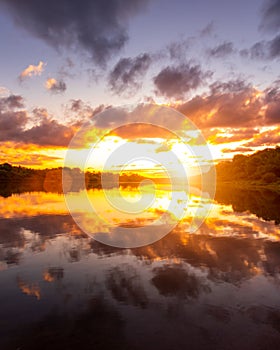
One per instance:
[(217, 288)]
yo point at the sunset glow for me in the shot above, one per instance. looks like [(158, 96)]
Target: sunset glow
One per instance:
[(226, 86), (140, 174)]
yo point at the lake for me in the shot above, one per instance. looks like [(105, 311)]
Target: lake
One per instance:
[(216, 287)]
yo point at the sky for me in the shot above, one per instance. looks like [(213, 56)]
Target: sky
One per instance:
[(63, 62)]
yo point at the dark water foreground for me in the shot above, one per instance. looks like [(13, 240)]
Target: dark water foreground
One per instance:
[(218, 288)]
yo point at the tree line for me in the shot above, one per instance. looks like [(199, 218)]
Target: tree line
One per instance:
[(262, 167), (18, 179)]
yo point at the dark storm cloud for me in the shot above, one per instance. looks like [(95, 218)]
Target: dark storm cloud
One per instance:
[(221, 50), (14, 120), (95, 26), (176, 81), (271, 15), (126, 76)]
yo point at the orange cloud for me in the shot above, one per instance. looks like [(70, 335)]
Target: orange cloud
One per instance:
[(267, 138), (31, 155), (32, 70), (229, 135), (226, 107), (138, 130), (55, 86), (29, 289)]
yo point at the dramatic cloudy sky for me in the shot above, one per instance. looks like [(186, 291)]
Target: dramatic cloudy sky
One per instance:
[(216, 61)]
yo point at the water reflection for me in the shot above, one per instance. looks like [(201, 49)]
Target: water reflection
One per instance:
[(264, 203), (216, 288), (176, 280), (125, 285)]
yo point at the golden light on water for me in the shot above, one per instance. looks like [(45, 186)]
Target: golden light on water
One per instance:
[(220, 220)]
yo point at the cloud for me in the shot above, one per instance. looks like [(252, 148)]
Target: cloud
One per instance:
[(142, 114), (237, 150), (143, 141), (176, 81), (272, 100), (55, 86), (264, 50), (164, 147), (127, 74), (48, 133), (235, 111), (79, 111), (177, 50), (4, 91), (230, 104), (257, 51), (66, 70), (95, 27), (14, 121), (274, 47), (221, 50), (233, 135), (11, 102), (271, 16), (77, 105), (208, 29), (231, 86), (138, 130), (267, 138), (231, 111), (26, 155), (32, 70)]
